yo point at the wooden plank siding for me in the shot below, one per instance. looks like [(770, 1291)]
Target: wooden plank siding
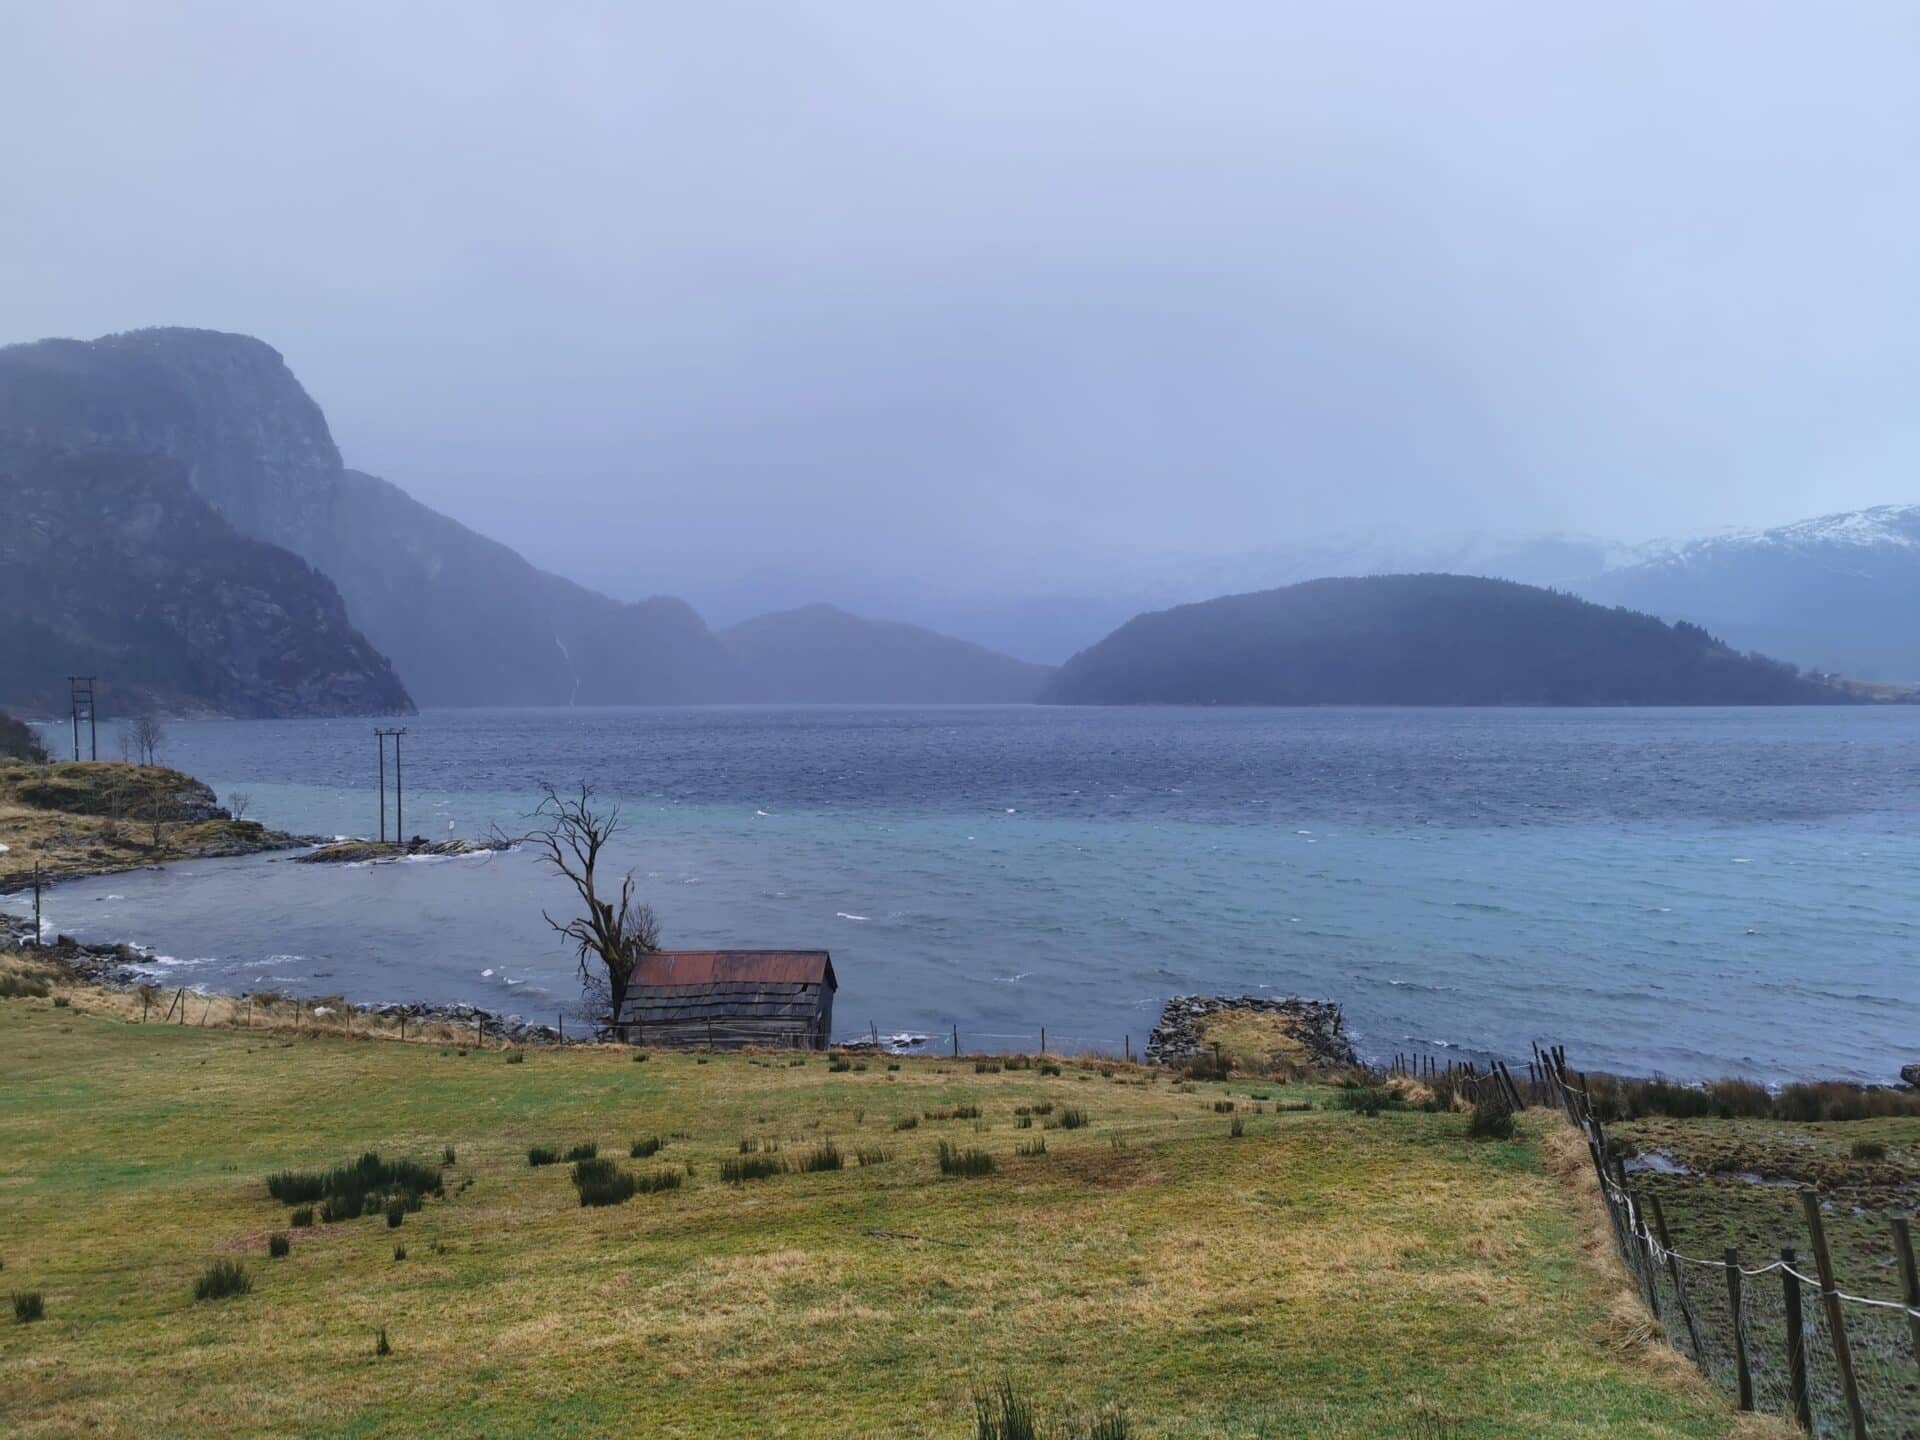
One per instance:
[(727, 999)]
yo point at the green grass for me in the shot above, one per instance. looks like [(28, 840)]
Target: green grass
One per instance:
[(1326, 1276)]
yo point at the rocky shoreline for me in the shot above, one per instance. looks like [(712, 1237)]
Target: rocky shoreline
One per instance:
[(1316, 1024)]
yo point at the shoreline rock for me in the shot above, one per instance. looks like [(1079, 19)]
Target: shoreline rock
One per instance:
[(372, 852), (1317, 1024)]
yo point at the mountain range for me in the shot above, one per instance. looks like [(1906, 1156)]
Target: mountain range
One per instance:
[(464, 620)]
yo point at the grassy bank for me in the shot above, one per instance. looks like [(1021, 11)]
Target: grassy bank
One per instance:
[(92, 818), (1321, 1274)]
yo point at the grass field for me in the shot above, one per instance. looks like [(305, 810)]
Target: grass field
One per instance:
[(1324, 1274)]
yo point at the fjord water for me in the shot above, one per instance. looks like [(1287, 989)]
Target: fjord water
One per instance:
[(1690, 892)]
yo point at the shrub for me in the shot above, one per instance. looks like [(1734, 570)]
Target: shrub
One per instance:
[(872, 1155), (23, 987), (396, 1212), (825, 1157), (223, 1279), (1035, 1146), (1492, 1117), (1073, 1119), (1869, 1150), (279, 1246), (739, 1169), (29, 1306), (1237, 1128), (642, 1149), (955, 1161), (586, 1151), (907, 1122), (301, 1218)]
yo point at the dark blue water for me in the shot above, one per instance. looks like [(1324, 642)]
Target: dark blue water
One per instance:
[(1687, 891)]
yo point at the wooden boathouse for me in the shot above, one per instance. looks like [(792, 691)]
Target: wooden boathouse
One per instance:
[(725, 999)]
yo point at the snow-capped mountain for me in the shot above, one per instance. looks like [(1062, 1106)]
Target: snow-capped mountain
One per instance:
[(1840, 592)]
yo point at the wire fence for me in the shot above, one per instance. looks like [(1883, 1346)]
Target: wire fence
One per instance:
[(1777, 1332)]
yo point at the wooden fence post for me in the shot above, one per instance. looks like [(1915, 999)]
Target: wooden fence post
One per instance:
[(1796, 1342), (479, 1033), (1903, 1249), (956, 1042), (1043, 1039), (1836, 1317), (1679, 1282), (1742, 1371)]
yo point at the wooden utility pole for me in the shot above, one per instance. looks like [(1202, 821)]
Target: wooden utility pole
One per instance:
[(80, 697)]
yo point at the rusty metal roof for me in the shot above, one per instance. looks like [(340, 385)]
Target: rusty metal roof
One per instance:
[(734, 967)]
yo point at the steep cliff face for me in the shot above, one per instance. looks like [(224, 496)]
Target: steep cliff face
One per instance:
[(111, 564), (465, 620)]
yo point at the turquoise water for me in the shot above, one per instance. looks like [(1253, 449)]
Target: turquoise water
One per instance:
[(1689, 892)]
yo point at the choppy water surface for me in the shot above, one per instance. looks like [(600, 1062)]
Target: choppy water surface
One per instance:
[(1693, 892)]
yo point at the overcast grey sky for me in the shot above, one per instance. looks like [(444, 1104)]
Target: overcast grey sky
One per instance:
[(668, 293)]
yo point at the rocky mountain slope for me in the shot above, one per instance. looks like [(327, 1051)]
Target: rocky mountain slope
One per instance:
[(1838, 593), (1420, 640), (111, 565), (820, 654)]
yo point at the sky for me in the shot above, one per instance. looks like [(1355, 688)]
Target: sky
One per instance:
[(758, 303)]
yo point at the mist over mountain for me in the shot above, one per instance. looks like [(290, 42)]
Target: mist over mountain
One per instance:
[(820, 654), (464, 619), (1420, 640), (1838, 593)]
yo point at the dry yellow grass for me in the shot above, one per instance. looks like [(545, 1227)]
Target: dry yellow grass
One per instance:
[(1326, 1275)]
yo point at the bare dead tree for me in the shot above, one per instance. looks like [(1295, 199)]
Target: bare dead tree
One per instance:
[(238, 803), (614, 934), (160, 812), (141, 739)]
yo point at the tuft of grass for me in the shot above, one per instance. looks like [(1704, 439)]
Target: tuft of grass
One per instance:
[(399, 1252), (907, 1122), (380, 1345), (538, 1155), (585, 1151), (1237, 1128), (1001, 1412), (279, 1246), (1023, 1122), (824, 1157), (23, 987), (29, 1306), (955, 1161), (1367, 1100), (222, 1280), (1223, 1107), (1492, 1118), (737, 1170), (658, 1181), (1071, 1119), (301, 1218), (986, 1067), (516, 1057), (1045, 1107), (1049, 1068), (642, 1149), (839, 1065), (61, 1002), (446, 1156), (600, 1182), (872, 1155), (1868, 1150), (639, 1057), (396, 1213), (1035, 1146), (347, 1192)]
